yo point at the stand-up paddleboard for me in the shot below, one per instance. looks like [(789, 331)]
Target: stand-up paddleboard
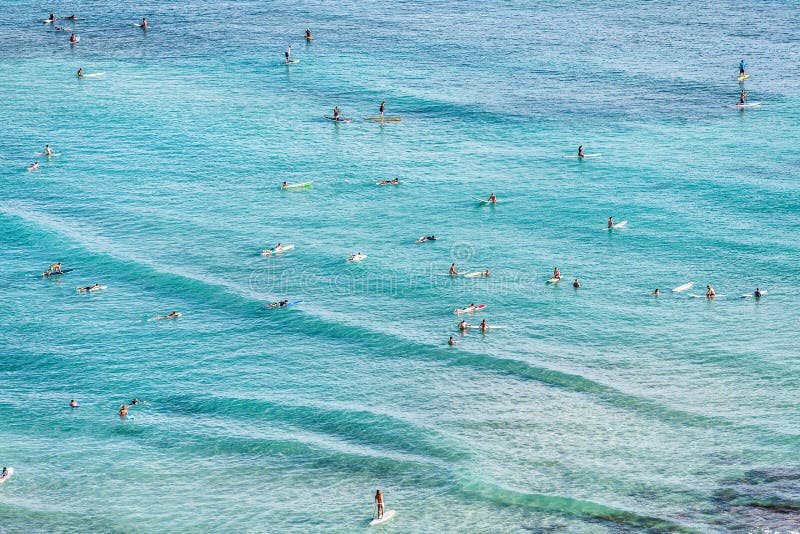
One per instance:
[(346, 119), (275, 305), (297, 186), (273, 250), (683, 287), (620, 224), (743, 77), (748, 105), (56, 273), (751, 295), (356, 257), (476, 274), (384, 119), (469, 309), (585, 156), (11, 472), (554, 280), (387, 515), (290, 62)]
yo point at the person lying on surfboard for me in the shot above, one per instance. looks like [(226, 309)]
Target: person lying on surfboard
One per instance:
[(93, 287), (427, 238), (388, 182), (580, 151), (170, 316), (33, 166)]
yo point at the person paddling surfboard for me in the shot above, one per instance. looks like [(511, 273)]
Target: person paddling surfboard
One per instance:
[(383, 108), (741, 67), (379, 503)]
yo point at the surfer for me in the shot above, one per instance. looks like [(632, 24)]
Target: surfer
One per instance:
[(279, 304), (73, 403), (742, 97), (486, 273), (52, 18), (389, 182), (453, 271), (710, 293), (308, 35), (4, 475), (492, 199), (288, 53), (576, 284), (451, 342), (33, 166), (655, 292), (55, 267), (172, 315), (135, 401), (80, 72), (483, 326), (383, 108), (48, 151), (379, 503), (73, 39), (741, 67), (611, 222), (462, 326), (757, 293), (556, 273), (580, 151), (123, 411), (144, 23), (336, 113)]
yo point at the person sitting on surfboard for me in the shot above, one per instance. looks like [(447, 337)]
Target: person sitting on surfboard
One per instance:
[(580, 151), (73, 39), (451, 341), (655, 292), (610, 222), (48, 151), (308, 35), (73, 403), (453, 269), (741, 67), (483, 326), (463, 326), (379, 503), (757, 293), (576, 283), (383, 108), (80, 72), (52, 17), (710, 293), (144, 23), (493, 199), (556, 273)]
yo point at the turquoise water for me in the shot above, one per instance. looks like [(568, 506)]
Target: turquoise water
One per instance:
[(595, 410)]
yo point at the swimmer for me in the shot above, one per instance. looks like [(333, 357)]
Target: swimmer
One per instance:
[(576, 284), (123, 411), (73, 403), (453, 271), (33, 166), (580, 151), (172, 315), (279, 304), (710, 293), (136, 401)]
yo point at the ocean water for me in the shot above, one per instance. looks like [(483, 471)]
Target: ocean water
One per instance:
[(597, 410)]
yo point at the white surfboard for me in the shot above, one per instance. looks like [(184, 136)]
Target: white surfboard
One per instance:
[(11, 472), (93, 75), (357, 257), (271, 251), (620, 224), (554, 280), (476, 274), (387, 515), (683, 287), (751, 295), (585, 156)]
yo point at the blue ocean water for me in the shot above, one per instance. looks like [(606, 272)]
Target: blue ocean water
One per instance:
[(596, 410)]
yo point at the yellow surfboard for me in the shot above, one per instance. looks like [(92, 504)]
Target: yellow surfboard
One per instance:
[(743, 77), (385, 119)]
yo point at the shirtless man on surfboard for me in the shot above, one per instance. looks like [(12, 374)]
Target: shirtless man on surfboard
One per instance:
[(580, 151), (710, 293), (383, 108), (453, 271), (379, 503)]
